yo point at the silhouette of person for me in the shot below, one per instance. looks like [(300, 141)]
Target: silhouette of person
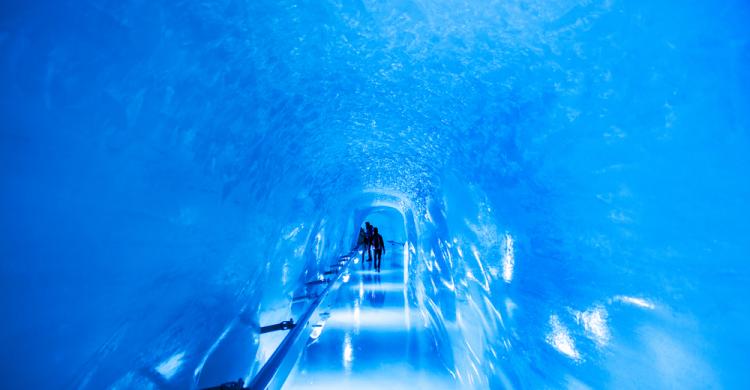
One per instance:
[(362, 243), (379, 246), (368, 245)]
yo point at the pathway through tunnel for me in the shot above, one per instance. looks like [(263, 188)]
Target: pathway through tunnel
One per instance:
[(374, 335)]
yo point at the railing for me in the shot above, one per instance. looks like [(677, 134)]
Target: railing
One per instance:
[(274, 372)]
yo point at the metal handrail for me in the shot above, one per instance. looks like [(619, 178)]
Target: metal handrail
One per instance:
[(267, 376)]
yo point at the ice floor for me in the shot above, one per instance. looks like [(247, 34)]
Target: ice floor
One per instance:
[(373, 338)]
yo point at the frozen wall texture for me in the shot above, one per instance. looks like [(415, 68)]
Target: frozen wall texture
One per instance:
[(573, 178)]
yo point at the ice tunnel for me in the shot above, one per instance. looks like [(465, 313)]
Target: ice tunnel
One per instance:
[(561, 187)]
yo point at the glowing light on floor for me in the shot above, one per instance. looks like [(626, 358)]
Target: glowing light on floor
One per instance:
[(384, 287), (390, 377), (357, 318), (348, 354), (382, 319)]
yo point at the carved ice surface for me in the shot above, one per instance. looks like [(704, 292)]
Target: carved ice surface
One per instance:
[(563, 186)]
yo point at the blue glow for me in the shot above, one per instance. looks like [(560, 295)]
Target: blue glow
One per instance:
[(564, 185)]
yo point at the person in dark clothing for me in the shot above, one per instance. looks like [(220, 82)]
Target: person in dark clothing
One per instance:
[(368, 245), (362, 243), (379, 246)]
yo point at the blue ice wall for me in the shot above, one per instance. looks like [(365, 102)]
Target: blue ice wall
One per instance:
[(572, 175)]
